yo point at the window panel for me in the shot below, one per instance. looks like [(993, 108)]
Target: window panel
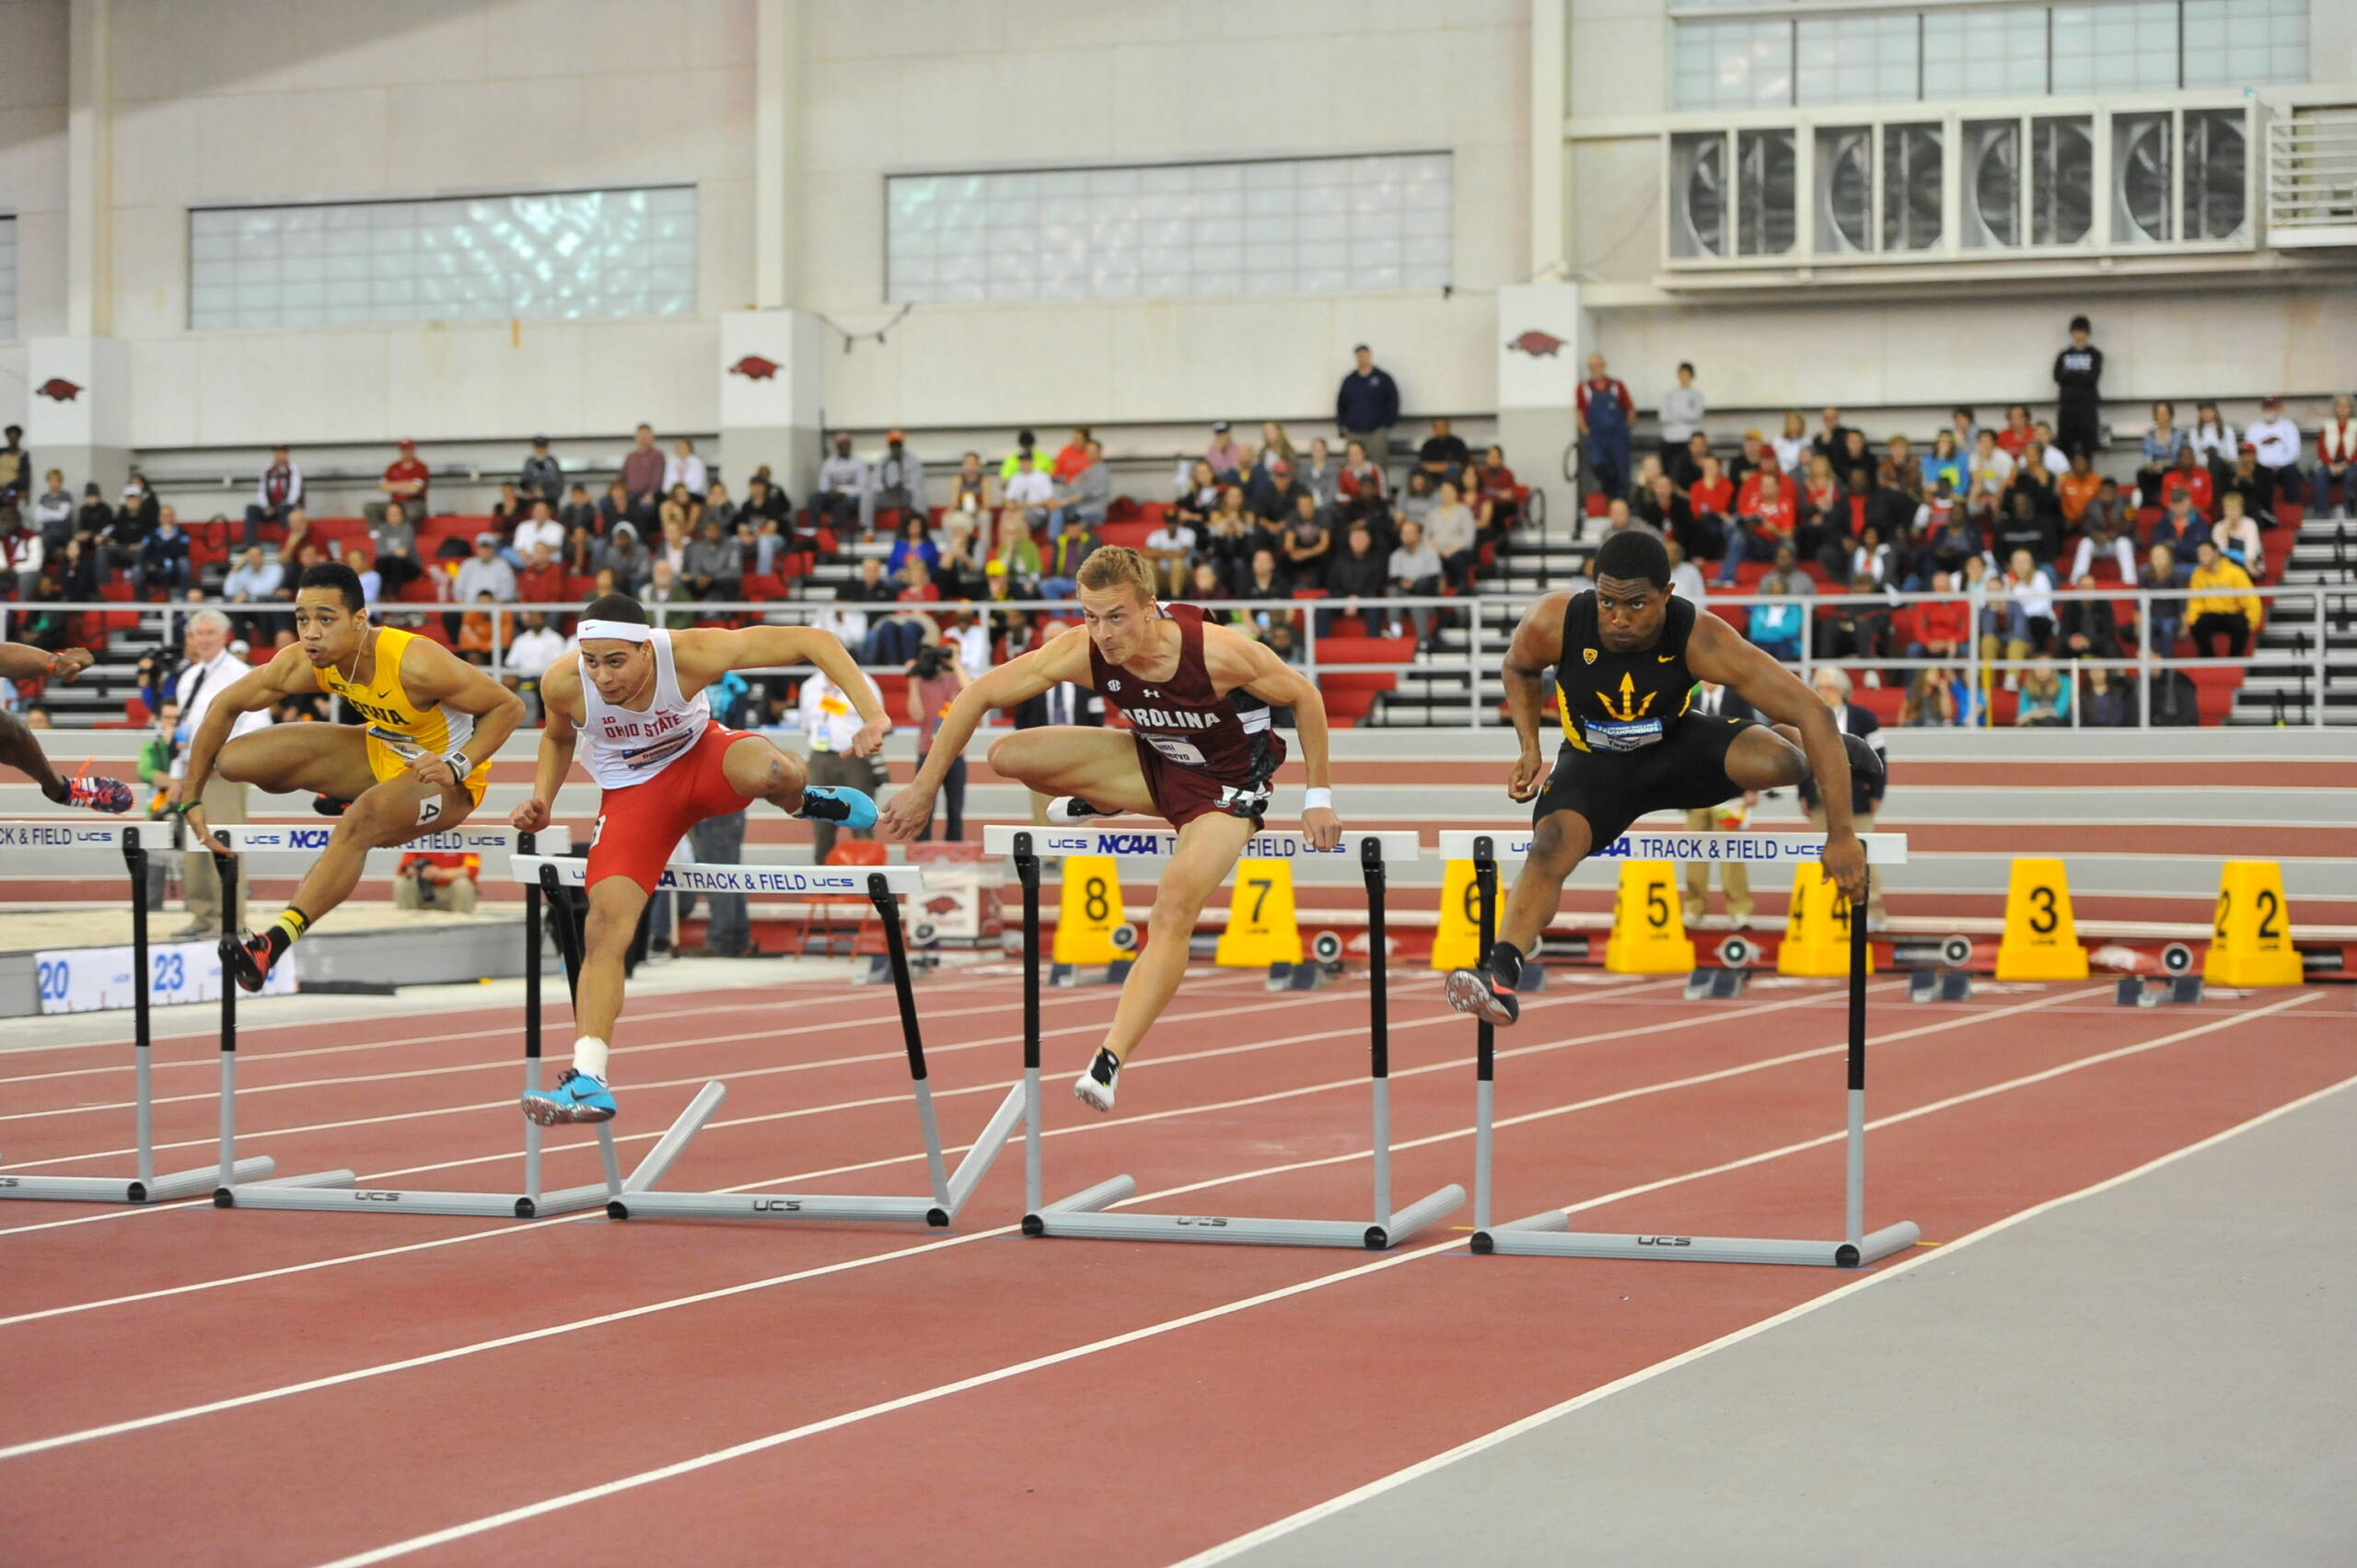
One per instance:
[(625, 252), (1279, 226)]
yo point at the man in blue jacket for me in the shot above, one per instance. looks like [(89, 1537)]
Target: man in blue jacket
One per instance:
[(1368, 405)]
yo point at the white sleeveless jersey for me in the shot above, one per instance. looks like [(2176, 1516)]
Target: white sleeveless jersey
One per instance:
[(621, 747)]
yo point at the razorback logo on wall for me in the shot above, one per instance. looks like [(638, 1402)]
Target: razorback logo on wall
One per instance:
[(58, 389)]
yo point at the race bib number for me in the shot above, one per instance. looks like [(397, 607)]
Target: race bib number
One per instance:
[(1612, 735), (1183, 753)]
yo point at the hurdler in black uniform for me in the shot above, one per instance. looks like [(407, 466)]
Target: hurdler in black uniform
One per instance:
[(1626, 656)]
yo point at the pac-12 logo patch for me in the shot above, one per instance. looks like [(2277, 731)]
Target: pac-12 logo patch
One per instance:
[(1587, 655)]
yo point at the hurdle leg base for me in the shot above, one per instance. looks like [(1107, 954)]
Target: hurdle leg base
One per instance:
[(1110, 1190), (1421, 1215), (1535, 1237), (773, 1206), (127, 1189), (258, 1195)]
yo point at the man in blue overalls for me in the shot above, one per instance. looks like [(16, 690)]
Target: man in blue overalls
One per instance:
[(1606, 414)]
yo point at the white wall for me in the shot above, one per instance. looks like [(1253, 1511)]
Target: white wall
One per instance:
[(903, 85), (32, 177), (294, 100)]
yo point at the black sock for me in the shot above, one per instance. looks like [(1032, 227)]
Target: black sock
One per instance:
[(1506, 961)]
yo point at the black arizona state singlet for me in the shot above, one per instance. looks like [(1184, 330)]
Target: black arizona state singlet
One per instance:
[(1616, 702)]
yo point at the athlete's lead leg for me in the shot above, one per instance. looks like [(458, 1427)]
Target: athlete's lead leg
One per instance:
[(1560, 843), (1207, 850), (581, 1092)]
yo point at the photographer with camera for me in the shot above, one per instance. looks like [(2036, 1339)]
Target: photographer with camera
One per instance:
[(444, 882), (936, 677)]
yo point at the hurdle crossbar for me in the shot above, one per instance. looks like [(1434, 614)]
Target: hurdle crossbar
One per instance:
[(339, 1191), (36, 845), (1548, 1233), (638, 1197), (1086, 1213)]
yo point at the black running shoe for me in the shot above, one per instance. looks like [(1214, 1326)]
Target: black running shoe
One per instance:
[(1864, 760), (328, 806), (1481, 993)]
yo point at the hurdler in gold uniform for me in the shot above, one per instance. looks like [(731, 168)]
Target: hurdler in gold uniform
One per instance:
[(418, 764)]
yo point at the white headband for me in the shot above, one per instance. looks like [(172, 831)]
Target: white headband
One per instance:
[(620, 631)]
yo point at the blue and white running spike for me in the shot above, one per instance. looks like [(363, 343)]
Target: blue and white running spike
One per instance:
[(578, 1097), (833, 803)]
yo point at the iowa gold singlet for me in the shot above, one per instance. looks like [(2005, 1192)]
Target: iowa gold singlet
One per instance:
[(398, 730)]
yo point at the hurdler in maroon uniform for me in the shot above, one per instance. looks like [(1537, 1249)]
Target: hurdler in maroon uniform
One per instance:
[(1200, 755)]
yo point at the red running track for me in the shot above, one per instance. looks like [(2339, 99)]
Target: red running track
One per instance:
[(838, 1396)]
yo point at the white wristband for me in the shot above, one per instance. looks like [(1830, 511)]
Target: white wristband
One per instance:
[(1318, 800)]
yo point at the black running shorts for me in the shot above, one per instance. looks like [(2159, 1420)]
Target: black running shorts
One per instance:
[(1686, 771)]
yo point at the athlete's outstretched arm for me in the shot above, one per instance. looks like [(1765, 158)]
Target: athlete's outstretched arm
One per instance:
[(709, 652), (560, 732), (21, 661), (1536, 647), (1717, 653), (432, 673), (1237, 660), (1063, 658)]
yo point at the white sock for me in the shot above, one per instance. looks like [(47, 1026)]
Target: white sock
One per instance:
[(589, 1056)]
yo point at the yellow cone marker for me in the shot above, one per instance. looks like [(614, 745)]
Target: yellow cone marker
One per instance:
[(2041, 940), (1091, 911), (1261, 929), (2250, 943), (1648, 938), (1816, 929)]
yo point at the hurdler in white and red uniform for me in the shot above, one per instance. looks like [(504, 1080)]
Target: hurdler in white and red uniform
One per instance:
[(636, 696), (1199, 754)]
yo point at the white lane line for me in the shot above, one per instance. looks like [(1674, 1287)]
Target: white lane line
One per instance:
[(361, 1374), (1231, 1550), (1153, 1330)]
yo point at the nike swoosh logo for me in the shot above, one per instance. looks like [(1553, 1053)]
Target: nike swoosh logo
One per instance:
[(1663, 658)]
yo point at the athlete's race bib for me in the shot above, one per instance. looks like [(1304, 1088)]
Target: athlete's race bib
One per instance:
[(1612, 734), (1183, 753)]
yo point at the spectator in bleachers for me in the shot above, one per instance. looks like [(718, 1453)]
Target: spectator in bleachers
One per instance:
[(1773, 627), (669, 606), (1682, 407), (1944, 461), (1820, 491), (2165, 620), (2179, 527), (1871, 562), (1855, 457), (406, 480), (1029, 486), (2187, 478), (957, 560), (139, 502), (720, 509), (2078, 381), (1992, 466), (972, 489), (542, 580), (900, 481), (1307, 542), (1416, 502), (1226, 538), (713, 568), (2249, 482), (1354, 578), (1752, 453), (614, 509), (1172, 549), (2025, 525), (1496, 493), (914, 543), (1661, 507), (626, 556), (1226, 458), (642, 475), (2238, 536), (1453, 534), (2224, 605), (486, 572), (580, 516), (164, 569), (364, 566), (2045, 700), (81, 567), (1933, 701), (1060, 564), (2022, 604), (1275, 446), (1606, 415), (1198, 495), (766, 504), (542, 478), (539, 530), (1900, 470), (21, 553), (475, 634), (1363, 488), (256, 578), (2077, 487), (1858, 626), (1020, 553), (2334, 483), (1072, 456), (2105, 529), (15, 463), (1367, 405), (1415, 570), (2213, 441), (1085, 499), (1321, 474), (2056, 460), (684, 467), (1833, 688), (2105, 702), (1791, 445), (1711, 496), (842, 499), (1683, 464), (2087, 628), (2163, 441), (94, 519), (2033, 480), (2015, 435), (2276, 439), (1763, 524), (1942, 626), (1444, 455), (671, 544)]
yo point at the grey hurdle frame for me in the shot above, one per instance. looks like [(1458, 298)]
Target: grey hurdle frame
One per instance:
[(68, 840), (881, 884), (1548, 1233), (338, 1191), (1083, 1214)]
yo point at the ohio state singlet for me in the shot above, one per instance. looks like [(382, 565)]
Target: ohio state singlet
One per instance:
[(621, 747)]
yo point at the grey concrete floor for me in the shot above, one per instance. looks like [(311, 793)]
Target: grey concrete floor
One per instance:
[(2163, 1373)]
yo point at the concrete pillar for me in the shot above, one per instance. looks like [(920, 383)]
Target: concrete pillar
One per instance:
[(1543, 341), (78, 413), (777, 154), (1550, 84), (772, 383)]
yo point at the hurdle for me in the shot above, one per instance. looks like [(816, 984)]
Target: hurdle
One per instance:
[(36, 845), (1547, 1234), (338, 1191), (637, 1196), (1082, 1214)]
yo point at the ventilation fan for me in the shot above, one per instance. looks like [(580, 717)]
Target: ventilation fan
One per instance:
[(2140, 180), (1911, 180), (1993, 184), (1697, 178), (1766, 172), (2216, 167), (2062, 186), (1845, 212)]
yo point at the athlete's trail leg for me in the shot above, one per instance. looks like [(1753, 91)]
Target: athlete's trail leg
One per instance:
[(1207, 851), (1767, 757), (20, 748), (385, 814), (1559, 845), (1101, 766)]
